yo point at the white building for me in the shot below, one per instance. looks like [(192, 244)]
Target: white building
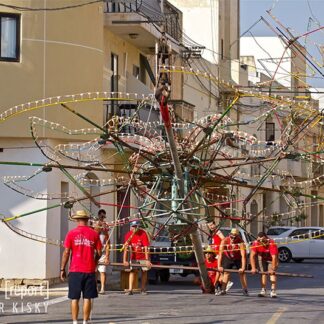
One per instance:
[(273, 67), (270, 56), (318, 94), (214, 25)]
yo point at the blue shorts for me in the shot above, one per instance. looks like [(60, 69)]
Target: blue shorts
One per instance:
[(82, 282)]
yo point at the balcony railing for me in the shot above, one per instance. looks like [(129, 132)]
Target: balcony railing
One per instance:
[(173, 23), (150, 9), (123, 6)]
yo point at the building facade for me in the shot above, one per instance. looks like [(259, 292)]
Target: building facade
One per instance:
[(280, 71), (58, 54)]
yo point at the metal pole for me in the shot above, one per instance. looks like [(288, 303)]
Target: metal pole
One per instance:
[(162, 266), (178, 173)]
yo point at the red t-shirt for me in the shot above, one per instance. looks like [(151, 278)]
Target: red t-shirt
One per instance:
[(216, 241), (138, 242), (265, 251), (232, 249), (211, 273), (83, 241)]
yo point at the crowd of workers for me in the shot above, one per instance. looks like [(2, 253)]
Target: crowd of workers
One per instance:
[(230, 252), (88, 248)]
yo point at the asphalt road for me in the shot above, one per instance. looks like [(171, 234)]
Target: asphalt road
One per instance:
[(299, 301)]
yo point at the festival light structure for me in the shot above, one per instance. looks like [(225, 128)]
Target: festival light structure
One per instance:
[(178, 170)]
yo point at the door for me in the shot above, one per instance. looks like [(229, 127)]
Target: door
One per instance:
[(298, 243), (316, 246)]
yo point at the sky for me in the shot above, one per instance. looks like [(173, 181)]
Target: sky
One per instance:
[(291, 13)]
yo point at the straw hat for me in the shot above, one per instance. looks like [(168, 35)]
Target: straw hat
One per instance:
[(235, 231), (209, 249), (80, 214)]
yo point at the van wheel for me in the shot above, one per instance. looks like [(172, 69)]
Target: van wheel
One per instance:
[(154, 280), (284, 254), (298, 260), (164, 275)]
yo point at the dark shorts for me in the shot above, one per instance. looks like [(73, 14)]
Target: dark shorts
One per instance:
[(228, 263), (82, 282), (138, 262), (264, 265)]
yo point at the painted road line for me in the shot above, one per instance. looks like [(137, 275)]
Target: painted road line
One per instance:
[(57, 300), (274, 318)]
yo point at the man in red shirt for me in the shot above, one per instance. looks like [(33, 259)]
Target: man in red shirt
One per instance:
[(232, 254), (84, 246), (266, 252), (137, 241), (215, 239), (213, 275), (211, 263), (216, 236)]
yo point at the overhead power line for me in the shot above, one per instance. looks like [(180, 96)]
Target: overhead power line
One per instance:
[(21, 8)]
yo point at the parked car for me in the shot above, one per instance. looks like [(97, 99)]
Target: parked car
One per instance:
[(302, 243), (275, 232)]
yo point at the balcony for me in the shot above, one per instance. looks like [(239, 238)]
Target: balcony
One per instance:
[(139, 22), (183, 110)]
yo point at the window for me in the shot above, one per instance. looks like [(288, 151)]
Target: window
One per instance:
[(270, 132), (114, 69), (317, 234), (111, 110), (114, 64), (277, 231), (304, 232), (250, 237), (136, 71), (142, 69), (9, 37)]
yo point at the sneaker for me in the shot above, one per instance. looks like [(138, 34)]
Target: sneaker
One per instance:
[(222, 293), (262, 293), (273, 294), (143, 292), (128, 293), (217, 292), (101, 292), (245, 292), (229, 285)]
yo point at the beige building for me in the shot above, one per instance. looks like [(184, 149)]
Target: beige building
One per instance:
[(107, 50), (100, 49)]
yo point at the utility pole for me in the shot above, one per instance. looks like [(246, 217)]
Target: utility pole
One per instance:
[(162, 95)]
